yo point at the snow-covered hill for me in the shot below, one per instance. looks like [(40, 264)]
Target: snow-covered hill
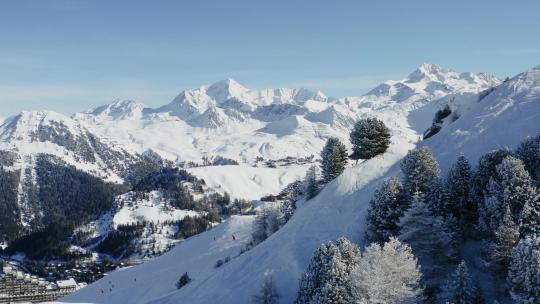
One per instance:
[(407, 107)]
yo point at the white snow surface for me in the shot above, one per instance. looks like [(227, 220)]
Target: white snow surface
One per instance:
[(248, 182), (154, 210)]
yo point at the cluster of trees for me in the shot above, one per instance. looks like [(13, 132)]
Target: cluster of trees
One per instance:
[(436, 126), (118, 242), (9, 209), (339, 273), (498, 204), (369, 138), (49, 242), (65, 198)]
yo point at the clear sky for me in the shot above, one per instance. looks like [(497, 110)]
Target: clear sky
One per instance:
[(68, 56)]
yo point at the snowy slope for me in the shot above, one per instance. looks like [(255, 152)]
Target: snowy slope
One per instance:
[(502, 119), (249, 182), (140, 284)]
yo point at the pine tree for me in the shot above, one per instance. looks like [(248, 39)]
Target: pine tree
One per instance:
[(458, 185), (438, 199), (369, 137), (327, 278), (334, 159), (268, 220), (486, 171), (310, 183), (429, 237), (268, 293), (513, 189), (460, 288), (184, 279), (387, 274), (506, 236), (524, 271), (419, 169), (385, 209), (529, 153)]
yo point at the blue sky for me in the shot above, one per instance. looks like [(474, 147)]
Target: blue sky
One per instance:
[(68, 56)]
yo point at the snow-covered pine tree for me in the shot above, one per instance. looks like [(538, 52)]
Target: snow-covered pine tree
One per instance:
[(486, 170), (430, 238), (529, 219), (513, 188), (437, 198), (334, 159), (311, 188), (460, 288), (529, 153), (458, 185), (387, 274), (385, 209), (327, 278), (268, 293), (505, 238), (268, 220), (419, 168), (524, 271), (369, 137)]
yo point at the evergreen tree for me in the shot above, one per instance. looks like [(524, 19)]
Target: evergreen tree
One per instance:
[(513, 189), (385, 209), (310, 183), (268, 220), (506, 236), (524, 271), (419, 169), (460, 288), (184, 279), (458, 185), (369, 137), (529, 153), (387, 275), (438, 199), (429, 237), (327, 278), (334, 159), (487, 170), (268, 293)]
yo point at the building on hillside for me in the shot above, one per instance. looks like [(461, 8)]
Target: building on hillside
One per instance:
[(17, 286)]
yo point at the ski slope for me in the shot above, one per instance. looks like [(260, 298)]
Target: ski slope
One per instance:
[(197, 256)]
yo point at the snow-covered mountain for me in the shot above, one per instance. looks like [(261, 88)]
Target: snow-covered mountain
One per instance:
[(484, 121), (229, 120), (44, 150), (45, 132)]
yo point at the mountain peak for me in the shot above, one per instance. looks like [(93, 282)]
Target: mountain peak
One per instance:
[(225, 89), (429, 71), (119, 109)]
